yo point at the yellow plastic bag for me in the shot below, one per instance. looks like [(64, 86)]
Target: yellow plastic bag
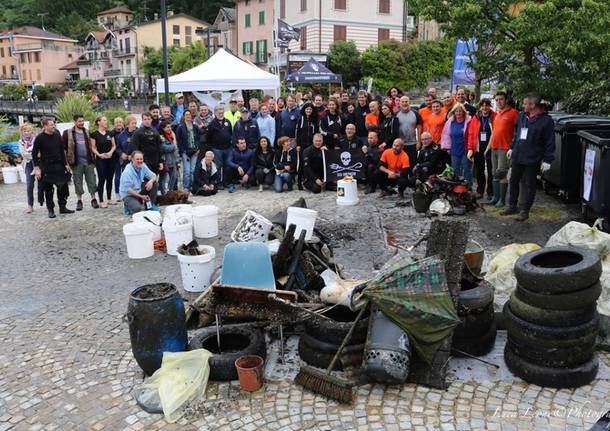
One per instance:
[(183, 377), (581, 235), (501, 271)]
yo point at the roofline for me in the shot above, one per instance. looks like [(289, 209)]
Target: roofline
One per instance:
[(184, 15), (6, 36)]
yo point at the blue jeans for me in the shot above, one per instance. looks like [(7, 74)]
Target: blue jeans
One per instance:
[(281, 179), (171, 177), (188, 166), (29, 178), (462, 167), (220, 158)]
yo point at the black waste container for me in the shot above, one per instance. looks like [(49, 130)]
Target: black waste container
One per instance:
[(568, 161), (595, 177)]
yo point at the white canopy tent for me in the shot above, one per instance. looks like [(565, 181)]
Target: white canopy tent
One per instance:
[(223, 71)]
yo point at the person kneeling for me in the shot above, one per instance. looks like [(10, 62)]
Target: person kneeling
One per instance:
[(394, 169), (313, 166), (138, 187), (285, 163), (206, 177), (429, 161), (240, 165)]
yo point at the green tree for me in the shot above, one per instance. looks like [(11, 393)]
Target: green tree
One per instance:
[(84, 85), (345, 59), (14, 91), (406, 65), (188, 57), (551, 46)]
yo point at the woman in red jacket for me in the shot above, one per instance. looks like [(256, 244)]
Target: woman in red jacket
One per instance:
[(479, 135)]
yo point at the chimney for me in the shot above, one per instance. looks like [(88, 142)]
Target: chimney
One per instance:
[(170, 13)]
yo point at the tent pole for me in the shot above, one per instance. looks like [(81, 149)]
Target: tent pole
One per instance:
[(165, 53)]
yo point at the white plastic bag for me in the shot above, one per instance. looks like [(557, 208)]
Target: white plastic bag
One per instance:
[(337, 290), (581, 235), (501, 270), (183, 377)]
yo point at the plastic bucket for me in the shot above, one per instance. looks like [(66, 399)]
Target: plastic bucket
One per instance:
[(347, 192), (154, 224), (197, 270), (178, 209), (176, 235), (22, 176), (250, 372), (304, 219), (205, 221), (474, 256), (253, 227), (10, 174), (139, 240)]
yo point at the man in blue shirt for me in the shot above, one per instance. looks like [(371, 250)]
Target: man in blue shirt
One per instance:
[(178, 108), (240, 165), (138, 187), (289, 118)]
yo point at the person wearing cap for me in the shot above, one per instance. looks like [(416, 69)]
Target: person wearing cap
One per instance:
[(246, 128), (233, 114), (178, 107)]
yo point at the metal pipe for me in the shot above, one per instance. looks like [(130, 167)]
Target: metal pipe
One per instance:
[(165, 53), (320, 28)]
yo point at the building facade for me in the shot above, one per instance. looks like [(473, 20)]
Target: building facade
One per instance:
[(255, 23), (323, 22), (224, 30), (97, 58), (30, 55)]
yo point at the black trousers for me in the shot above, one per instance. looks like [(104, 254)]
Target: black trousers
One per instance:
[(402, 182), (62, 194), (482, 165), (263, 178), (411, 151), (233, 177), (523, 185), (371, 175), (105, 172)]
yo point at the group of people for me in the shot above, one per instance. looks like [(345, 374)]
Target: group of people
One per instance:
[(283, 142)]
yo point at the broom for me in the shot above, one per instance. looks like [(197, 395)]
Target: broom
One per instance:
[(322, 382)]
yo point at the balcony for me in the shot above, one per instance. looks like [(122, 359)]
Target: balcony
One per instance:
[(27, 47), (118, 53), (112, 73)]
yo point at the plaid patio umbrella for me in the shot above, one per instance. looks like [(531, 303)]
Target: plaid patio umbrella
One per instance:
[(415, 296)]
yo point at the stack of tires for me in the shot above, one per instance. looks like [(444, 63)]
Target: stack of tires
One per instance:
[(551, 318), (322, 338), (476, 334)]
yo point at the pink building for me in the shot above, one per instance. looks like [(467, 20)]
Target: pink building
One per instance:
[(255, 22)]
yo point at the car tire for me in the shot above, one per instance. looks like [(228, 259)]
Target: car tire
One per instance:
[(550, 336), (321, 346), (553, 270), (541, 316), (564, 301), (475, 299), (323, 360), (475, 346), (559, 378), (475, 324), (334, 332), (236, 342), (552, 356)]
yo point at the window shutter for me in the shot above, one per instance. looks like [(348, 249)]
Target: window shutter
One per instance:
[(384, 6)]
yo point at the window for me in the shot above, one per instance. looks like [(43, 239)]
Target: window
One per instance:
[(128, 46), (121, 44), (247, 20), (303, 5), (10, 51), (4, 72), (247, 2), (341, 4), (29, 57), (37, 57), (188, 35), (247, 48), (2, 51), (12, 71), (261, 51), (383, 34), (339, 33), (176, 29), (38, 76), (384, 6), (177, 43), (23, 57), (304, 37), (261, 18), (282, 9)]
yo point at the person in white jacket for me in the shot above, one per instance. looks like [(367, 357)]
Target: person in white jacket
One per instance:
[(26, 144), (266, 123)]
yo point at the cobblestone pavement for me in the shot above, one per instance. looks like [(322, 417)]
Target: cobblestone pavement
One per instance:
[(66, 362)]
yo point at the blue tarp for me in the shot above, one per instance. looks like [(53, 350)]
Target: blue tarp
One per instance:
[(313, 72), (12, 147)]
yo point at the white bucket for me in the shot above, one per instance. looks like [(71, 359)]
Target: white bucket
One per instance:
[(205, 221), (139, 240), (10, 174), (347, 192), (304, 219), (176, 235), (178, 209), (22, 176), (154, 217), (253, 227), (197, 270)]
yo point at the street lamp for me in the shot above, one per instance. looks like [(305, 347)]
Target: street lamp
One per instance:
[(165, 59)]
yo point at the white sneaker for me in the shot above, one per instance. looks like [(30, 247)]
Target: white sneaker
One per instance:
[(260, 188)]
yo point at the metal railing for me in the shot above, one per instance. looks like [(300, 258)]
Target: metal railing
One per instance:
[(24, 47), (47, 107), (112, 72), (124, 52)]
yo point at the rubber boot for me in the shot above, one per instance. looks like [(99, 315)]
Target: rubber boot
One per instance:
[(496, 197), (503, 187)]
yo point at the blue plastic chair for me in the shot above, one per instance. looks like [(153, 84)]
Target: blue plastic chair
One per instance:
[(247, 264)]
